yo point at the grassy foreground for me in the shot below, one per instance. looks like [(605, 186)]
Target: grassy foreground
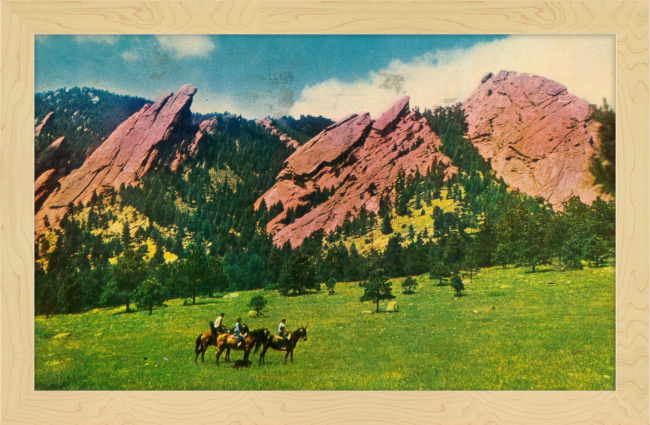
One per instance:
[(514, 330)]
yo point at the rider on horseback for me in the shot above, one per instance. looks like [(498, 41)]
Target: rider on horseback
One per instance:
[(218, 325), (238, 332), (282, 332)]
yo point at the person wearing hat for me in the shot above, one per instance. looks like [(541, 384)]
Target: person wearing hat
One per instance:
[(282, 332)]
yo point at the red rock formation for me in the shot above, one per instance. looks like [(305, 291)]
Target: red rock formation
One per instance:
[(126, 155), (39, 128), (359, 161), (267, 124), (46, 159), (188, 149), (538, 137), (44, 186)]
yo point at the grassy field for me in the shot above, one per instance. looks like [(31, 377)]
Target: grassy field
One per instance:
[(514, 330)]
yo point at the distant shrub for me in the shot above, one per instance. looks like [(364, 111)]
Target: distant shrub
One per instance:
[(331, 283)]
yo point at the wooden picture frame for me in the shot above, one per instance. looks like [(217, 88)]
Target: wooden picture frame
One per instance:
[(20, 404)]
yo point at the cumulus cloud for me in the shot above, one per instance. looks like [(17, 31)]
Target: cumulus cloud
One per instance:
[(186, 46), (99, 39), (584, 64)]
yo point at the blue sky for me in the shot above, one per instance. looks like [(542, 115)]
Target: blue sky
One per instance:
[(330, 75)]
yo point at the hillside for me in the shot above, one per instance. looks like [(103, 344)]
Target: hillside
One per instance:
[(203, 203)]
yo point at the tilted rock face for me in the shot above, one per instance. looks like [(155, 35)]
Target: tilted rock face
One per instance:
[(539, 138), (46, 159), (43, 186), (126, 155), (41, 126), (359, 160), (268, 126), (188, 149)]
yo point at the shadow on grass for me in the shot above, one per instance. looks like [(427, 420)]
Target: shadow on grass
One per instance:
[(202, 302)]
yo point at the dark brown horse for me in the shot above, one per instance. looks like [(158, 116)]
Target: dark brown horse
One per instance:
[(204, 341), (276, 343), (253, 339)]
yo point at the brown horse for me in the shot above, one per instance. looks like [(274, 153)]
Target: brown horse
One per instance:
[(204, 341), (276, 342), (253, 339)]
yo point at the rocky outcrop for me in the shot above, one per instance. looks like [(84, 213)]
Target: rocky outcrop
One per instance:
[(357, 160), (44, 186), (538, 137), (189, 148), (267, 125), (127, 154), (49, 158), (42, 125)]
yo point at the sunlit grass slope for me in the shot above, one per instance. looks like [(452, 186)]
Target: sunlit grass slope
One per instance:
[(514, 330)]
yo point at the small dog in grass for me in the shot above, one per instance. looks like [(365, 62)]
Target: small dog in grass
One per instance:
[(242, 364)]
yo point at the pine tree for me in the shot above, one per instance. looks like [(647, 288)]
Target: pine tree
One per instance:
[(377, 288), (457, 284), (386, 227), (257, 303), (409, 284), (150, 294), (126, 234)]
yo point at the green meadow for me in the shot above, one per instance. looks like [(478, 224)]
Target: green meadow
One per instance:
[(512, 330)]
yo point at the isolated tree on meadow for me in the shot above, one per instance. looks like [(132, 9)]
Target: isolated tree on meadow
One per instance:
[(257, 303), (377, 288), (331, 283), (457, 284), (409, 284), (150, 294)]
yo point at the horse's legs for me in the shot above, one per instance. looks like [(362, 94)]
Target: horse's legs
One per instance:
[(261, 362), (219, 351), (227, 356), (291, 356), (203, 354), (285, 357)]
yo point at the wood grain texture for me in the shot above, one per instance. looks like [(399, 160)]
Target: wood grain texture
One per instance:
[(20, 404)]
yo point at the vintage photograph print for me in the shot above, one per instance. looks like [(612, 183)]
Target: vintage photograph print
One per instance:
[(324, 212)]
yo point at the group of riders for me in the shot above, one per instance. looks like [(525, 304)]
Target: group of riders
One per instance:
[(239, 333)]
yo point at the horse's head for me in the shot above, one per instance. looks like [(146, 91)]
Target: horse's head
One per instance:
[(303, 333)]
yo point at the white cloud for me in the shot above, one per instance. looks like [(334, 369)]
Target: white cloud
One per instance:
[(184, 46), (130, 55), (99, 39), (584, 64)]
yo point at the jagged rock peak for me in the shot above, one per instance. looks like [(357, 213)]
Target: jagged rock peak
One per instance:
[(389, 118), (357, 160), (539, 138), (267, 125), (127, 154)]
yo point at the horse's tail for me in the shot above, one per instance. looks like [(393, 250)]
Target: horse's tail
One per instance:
[(198, 344)]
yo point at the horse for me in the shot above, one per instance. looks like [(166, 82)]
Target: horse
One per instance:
[(204, 341), (228, 342), (275, 342)]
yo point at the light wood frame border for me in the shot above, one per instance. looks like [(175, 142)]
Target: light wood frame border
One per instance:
[(20, 404)]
